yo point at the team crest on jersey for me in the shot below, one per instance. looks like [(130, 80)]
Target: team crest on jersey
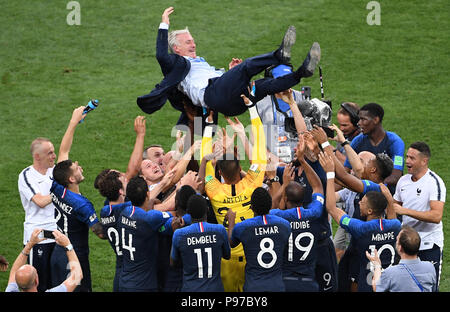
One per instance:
[(418, 191)]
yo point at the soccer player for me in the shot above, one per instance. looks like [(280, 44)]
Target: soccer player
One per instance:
[(377, 140), (300, 256), (74, 213), (236, 192), (138, 231), (112, 186), (326, 264), (264, 239), (420, 199), (200, 247), (170, 278), (375, 233)]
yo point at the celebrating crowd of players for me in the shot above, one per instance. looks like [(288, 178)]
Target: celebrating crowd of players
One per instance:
[(179, 222), (217, 228)]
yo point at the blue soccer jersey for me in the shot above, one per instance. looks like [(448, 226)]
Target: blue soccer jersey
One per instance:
[(264, 239), (379, 234), (201, 247), (170, 278), (392, 145), (300, 257), (139, 243), (368, 187), (109, 217), (74, 215)]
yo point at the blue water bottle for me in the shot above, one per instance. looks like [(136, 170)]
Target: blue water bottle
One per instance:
[(93, 104)]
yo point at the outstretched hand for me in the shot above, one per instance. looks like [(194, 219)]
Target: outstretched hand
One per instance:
[(165, 15), (234, 62)]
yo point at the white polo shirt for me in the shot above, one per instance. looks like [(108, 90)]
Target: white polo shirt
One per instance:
[(417, 196), (30, 183)]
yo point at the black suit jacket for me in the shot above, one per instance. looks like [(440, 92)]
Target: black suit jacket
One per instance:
[(174, 68)]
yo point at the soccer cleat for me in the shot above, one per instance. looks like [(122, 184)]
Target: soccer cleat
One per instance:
[(284, 51), (311, 61)]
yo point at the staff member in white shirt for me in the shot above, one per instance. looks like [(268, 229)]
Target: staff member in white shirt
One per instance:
[(420, 198), (34, 189)]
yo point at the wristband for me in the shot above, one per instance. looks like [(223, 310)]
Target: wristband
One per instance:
[(330, 175), (377, 266), (345, 143), (325, 144), (25, 254)]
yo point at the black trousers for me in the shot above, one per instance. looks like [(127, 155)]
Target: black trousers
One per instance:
[(223, 94)]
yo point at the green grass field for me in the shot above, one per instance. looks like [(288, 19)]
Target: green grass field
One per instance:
[(48, 68)]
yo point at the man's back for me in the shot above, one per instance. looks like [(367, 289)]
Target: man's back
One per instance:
[(138, 232), (300, 256), (398, 278), (201, 247), (109, 217), (379, 234), (234, 196), (74, 215), (264, 239)]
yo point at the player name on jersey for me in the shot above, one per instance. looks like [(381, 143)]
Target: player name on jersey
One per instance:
[(300, 225), (235, 199), (383, 236), (206, 239), (266, 230), (67, 208), (108, 220), (128, 222)]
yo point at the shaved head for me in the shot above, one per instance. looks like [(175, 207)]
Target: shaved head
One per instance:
[(26, 277)]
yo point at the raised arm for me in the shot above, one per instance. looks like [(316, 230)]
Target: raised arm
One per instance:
[(259, 155), (24, 253), (350, 181), (66, 143), (231, 216), (327, 164), (288, 97), (136, 156), (353, 158), (162, 43), (76, 274), (311, 175)]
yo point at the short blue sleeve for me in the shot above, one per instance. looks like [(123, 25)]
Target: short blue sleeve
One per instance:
[(370, 186), (396, 150), (156, 218), (86, 214)]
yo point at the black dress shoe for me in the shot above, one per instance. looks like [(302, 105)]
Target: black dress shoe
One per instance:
[(284, 51), (311, 61)]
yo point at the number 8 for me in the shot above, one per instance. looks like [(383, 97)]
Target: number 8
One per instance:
[(264, 250)]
